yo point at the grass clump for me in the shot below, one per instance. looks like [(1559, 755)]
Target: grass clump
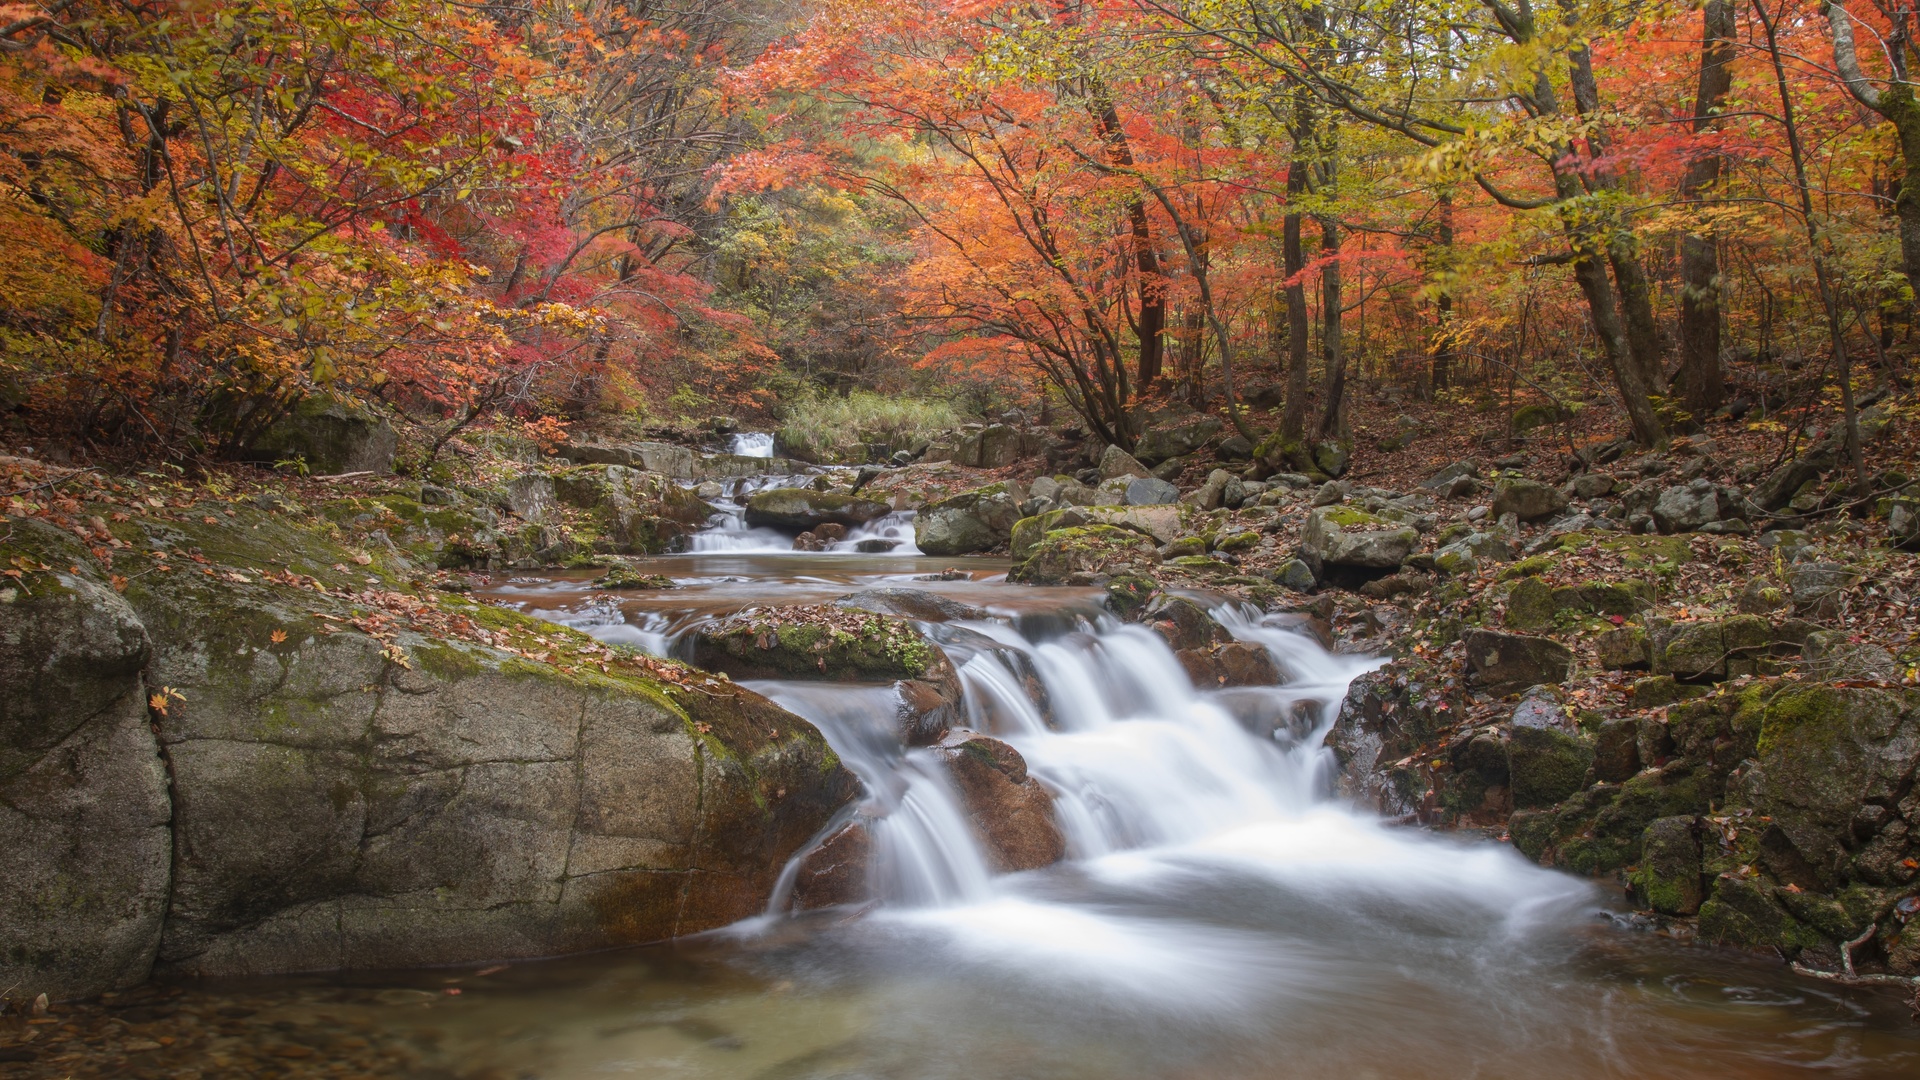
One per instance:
[(830, 427)]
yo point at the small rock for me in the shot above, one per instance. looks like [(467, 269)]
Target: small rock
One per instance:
[(1295, 574), (1117, 462), (1331, 493), (1234, 448)]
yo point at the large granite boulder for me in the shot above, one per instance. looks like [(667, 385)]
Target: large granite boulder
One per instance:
[(330, 435), (972, 521), (1085, 553), (806, 509), (84, 843), (360, 778)]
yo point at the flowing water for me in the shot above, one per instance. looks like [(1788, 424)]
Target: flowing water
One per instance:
[(1219, 914)]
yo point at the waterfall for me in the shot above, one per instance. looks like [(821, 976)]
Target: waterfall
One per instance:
[(752, 444), (1134, 756)]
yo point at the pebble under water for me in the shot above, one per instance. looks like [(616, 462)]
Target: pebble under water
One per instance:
[(1219, 914)]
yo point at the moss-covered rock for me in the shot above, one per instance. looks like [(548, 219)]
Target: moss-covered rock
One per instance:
[(818, 642), (1546, 766), (1744, 911), (978, 520), (446, 782), (1062, 555), (330, 435), (1348, 536), (1668, 878)]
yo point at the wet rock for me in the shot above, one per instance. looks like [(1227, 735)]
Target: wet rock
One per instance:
[(1539, 708), (972, 521), (802, 508), (1011, 814), (1744, 911), (1510, 663), (1236, 663), (1184, 623), (928, 710), (331, 436), (1178, 440), (919, 604), (625, 578), (1117, 462), (1529, 500), (1149, 491), (85, 848), (835, 872), (1342, 536), (1668, 880)]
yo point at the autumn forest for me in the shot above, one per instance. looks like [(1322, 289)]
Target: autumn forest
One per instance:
[(538, 213)]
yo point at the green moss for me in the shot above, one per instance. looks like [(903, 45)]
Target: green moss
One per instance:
[(1348, 517)]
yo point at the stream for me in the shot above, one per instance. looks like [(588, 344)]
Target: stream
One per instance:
[(1219, 913)]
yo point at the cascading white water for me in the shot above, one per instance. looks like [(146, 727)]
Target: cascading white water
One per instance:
[(752, 444), (890, 534)]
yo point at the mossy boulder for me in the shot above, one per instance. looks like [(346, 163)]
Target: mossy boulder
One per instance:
[(1744, 910), (1532, 604), (978, 520), (1350, 537), (1510, 663), (1545, 766), (1668, 877), (631, 512), (1712, 649), (802, 509), (444, 782), (330, 435), (1064, 555), (818, 642)]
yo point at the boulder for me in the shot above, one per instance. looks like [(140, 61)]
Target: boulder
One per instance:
[(804, 509), (1528, 500), (1616, 750), (1117, 462), (917, 604), (1693, 507), (977, 520), (331, 435), (1151, 491), (667, 459), (1534, 605), (1817, 587), (1161, 523), (1712, 649), (1623, 648), (1331, 457), (1295, 574), (1444, 480), (531, 498), (994, 446), (85, 848), (1668, 880), (1343, 536), (1236, 663), (1903, 523), (1011, 814), (1545, 765), (1184, 623), (634, 513), (342, 798), (1208, 496), (817, 642), (1510, 663), (1177, 440), (1085, 553)]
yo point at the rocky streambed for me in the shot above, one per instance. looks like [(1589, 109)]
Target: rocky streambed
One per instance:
[(935, 823)]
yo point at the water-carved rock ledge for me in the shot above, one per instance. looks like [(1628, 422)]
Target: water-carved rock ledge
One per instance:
[(245, 766)]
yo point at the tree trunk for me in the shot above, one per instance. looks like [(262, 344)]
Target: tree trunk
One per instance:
[(1636, 304), (1591, 273), (1293, 422), (1702, 386), (1332, 349), (1441, 374)]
